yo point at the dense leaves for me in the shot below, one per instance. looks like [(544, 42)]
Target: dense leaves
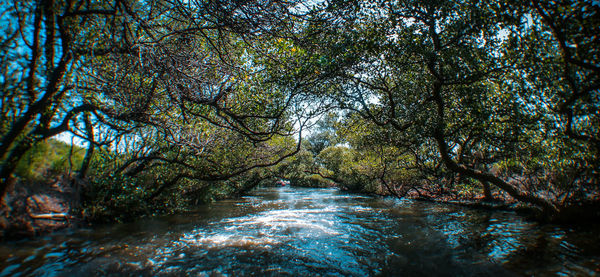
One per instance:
[(496, 92), (415, 96), (169, 97)]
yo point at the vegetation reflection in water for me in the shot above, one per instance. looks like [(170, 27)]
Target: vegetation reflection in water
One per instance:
[(289, 231)]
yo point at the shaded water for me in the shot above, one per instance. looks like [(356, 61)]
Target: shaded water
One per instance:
[(307, 232)]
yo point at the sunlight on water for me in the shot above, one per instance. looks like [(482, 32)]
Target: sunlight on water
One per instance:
[(307, 232)]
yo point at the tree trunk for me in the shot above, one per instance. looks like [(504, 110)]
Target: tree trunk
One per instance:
[(90, 151), (438, 134), (10, 165), (487, 192)]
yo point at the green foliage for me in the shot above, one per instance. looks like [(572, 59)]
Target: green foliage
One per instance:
[(493, 91), (48, 159), (323, 134), (122, 188), (116, 198), (350, 169), (301, 170), (433, 94)]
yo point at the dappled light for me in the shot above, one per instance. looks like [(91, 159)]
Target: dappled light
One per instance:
[(280, 231)]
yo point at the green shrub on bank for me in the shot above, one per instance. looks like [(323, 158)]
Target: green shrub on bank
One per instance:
[(48, 159), (311, 181), (115, 198)]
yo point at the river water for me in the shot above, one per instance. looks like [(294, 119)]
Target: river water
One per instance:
[(306, 232)]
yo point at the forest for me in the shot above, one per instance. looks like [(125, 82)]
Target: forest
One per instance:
[(165, 104)]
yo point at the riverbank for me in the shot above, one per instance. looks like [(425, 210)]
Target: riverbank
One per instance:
[(580, 213), (34, 209), (37, 209), (307, 232)]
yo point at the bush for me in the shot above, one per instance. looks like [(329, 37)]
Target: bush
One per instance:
[(49, 159), (115, 198)]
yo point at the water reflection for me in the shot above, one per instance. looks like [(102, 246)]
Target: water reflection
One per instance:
[(287, 231)]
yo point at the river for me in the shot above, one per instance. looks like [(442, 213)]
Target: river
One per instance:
[(306, 232)]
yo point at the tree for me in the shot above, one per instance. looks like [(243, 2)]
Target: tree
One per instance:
[(323, 135), (476, 80), (155, 82)]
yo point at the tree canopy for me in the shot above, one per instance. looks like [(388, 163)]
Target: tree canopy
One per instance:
[(500, 93)]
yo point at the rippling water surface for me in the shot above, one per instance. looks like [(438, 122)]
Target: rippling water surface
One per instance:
[(307, 232)]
